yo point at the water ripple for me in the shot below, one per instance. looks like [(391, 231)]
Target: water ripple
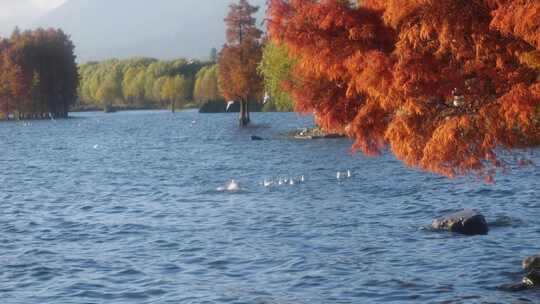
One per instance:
[(138, 219)]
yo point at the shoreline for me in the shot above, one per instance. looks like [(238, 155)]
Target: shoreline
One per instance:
[(314, 133)]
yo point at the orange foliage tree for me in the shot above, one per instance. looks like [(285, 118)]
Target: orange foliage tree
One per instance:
[(447, 85), (239, 79), (38, 74)]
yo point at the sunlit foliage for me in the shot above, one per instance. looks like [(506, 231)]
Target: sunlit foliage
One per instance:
[(276, 67), (175, 90), (206, 85), (138, 83), (447, 85)]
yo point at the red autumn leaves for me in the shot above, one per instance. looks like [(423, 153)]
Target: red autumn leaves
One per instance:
[(446, 85)]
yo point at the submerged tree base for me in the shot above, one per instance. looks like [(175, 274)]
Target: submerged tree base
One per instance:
[(244, 121)]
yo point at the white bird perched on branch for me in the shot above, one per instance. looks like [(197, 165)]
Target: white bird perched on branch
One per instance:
[(458, 98)]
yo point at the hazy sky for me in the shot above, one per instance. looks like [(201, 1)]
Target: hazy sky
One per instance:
[(23, 12)]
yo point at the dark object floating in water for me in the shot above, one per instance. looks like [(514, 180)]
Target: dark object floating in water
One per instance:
[(255, 137), (531, 280), (531, 263), (513, 287), (467, 222)]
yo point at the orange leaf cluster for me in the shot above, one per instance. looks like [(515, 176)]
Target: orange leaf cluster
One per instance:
[(445, 84)]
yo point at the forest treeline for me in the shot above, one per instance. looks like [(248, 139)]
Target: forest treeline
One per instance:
[(38, 75), (147, 83), (40, 78)]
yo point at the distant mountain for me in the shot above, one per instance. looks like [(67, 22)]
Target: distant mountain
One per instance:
[(162, 29)]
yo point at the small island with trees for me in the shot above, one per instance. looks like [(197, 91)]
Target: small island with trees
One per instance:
[(38, 75)]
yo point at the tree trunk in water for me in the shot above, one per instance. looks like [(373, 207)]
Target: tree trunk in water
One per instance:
[(173, 106), (247, 112), (244, 119)]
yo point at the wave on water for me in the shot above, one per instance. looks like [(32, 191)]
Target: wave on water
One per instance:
[(232, 186), (143, 207)]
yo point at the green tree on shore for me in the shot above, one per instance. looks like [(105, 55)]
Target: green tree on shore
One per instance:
[(275, 68), (206, 85), (138, 83), (110, 90), (175, 90)]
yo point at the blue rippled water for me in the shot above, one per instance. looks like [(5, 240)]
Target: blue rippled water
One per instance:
[(123, 208)]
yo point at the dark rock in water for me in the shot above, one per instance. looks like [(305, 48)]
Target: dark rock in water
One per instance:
[(532, 279), (514, 287), (531, 263), (467, 222), (255, 137), (315, 133)]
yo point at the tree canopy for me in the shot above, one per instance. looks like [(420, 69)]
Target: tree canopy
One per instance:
[(276, 67), (447, 85), (144, 83), (240, 56), (38, 74), (206, 85)]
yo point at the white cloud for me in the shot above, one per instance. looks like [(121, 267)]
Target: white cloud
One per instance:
[(46, 5), (23, 12)]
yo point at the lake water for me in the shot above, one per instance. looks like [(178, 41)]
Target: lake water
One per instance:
[(124, 208)]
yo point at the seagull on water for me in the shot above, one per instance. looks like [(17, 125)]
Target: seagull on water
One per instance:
[(233, 186), (267, 183), (340, 175)]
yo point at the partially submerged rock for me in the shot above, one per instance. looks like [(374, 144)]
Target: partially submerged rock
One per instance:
[(531, 280), (255, 137), (531, 263), (467, 222), (514, 287), (315, 133)]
